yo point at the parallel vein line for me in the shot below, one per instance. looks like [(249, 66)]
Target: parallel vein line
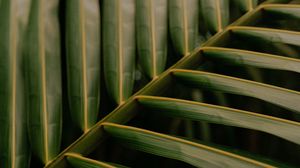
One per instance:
[(219, 20), (13, 104), (120, 53), (185, 29), (43, 74), (152, 20), (83, 43)]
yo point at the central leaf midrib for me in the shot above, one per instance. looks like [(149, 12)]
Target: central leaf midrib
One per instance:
[(83, 55)]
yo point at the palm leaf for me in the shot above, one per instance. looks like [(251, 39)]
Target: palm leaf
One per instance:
[(152, 35), (83, 60), (246, 5), (267, 34), (215, 14), (256, 59), (283, 11), (282, 97), (119, 47), (183, 24), (222, 115), (14, 148), (176, 148), (44, 74), (79, 161)]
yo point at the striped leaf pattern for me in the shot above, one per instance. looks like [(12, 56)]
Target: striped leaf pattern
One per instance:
[(267, 34), (242, 81), (221, 115), (233, 85), (167, 146), (215, 14), (78, 161), (246, 5), (142, 122), (44, 76), (184, 24), (83, 61), (14, 148), (250, 58), (119, 48), (152, 35)]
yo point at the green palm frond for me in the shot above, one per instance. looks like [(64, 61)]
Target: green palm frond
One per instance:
[(14, 148), (44, 74), (152, 25), (216, 14), (221, 115), (78, 161), (183, 24), (167, 146), (184, 83), (83, 60), (119, 47)]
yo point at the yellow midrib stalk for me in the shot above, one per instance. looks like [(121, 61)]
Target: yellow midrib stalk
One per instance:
[(43, 74), (13, 52), (96, 162), (219, 19), (185, 29), (158, 98), (250, 4), (120, 52), (83, 54), (153, 43)]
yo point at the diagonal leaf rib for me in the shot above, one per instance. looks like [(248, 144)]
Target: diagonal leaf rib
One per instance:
[(268, 34), (79, 161), (197, 111), (282, 97), (176, 148), (257, 59), (83, 54)]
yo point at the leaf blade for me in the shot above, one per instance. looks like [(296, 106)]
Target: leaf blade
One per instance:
[(222, 115), (14, 150), (83, 57), (241, 87), (119, 48), (79, 161), (268, 34), (152, 35), (175, 148), (256, 59), (216, 14), (44, 76), (183, 21)]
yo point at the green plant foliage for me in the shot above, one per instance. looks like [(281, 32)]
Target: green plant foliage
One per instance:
[(246, 5), (184, 83), (83, 60), (250, 58), (151, 34), (119, 47), (221, 115), (78, 161), (215, 14), (184, 24), (266, 34), (44, 79), (167, 146), (14, 148), (281, 97)]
